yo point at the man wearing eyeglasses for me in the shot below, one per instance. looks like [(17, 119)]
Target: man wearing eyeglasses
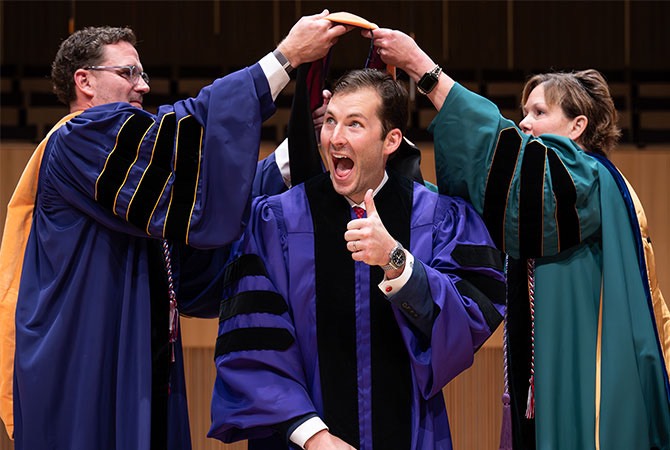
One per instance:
[(131, 73), (98, 362)]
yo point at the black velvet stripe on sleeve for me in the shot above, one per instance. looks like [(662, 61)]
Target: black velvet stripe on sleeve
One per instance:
[(491, 315), (335, 309), (187, 172), (250, 302), (244, 266), (531, 200), (494, 290), (565, 193), (120, 159), (478, 256), (155, 177), (255, 338), (498, 184)]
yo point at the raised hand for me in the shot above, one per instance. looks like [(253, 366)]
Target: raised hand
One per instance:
[(398, 49), (311, 38), (367, 238)]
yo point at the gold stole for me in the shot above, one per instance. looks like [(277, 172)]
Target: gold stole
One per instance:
[(15, 237), (661, 312)]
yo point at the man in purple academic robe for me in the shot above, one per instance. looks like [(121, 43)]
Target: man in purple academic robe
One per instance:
[(353, 298)]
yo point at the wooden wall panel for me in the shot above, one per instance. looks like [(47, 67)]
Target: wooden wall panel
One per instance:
[(13, 158), (648, 171), (650, 31), (477, 35), (474, 402), (5, 443), (541, 39), (200, 374), (464, 34)]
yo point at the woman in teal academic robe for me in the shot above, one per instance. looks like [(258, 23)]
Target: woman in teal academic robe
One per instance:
[(588, 334)]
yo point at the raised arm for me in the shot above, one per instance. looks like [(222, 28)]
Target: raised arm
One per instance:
[(400, 50)]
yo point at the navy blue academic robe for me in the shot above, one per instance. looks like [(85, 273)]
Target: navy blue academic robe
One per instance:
[(92, 367)]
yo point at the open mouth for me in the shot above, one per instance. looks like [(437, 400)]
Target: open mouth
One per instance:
[(342, 165)]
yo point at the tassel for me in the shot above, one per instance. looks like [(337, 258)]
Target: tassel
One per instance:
[(173, 325), (506, 427), (530, 404)]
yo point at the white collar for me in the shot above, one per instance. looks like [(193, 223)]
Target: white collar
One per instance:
[(362, 204)]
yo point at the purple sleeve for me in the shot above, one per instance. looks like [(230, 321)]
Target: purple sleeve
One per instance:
[(268, 179), (260, 378), (184, 174), (456, 293)]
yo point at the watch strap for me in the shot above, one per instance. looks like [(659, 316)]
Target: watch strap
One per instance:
[(286, 65)]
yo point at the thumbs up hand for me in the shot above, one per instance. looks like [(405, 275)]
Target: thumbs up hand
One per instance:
[(367, 238)]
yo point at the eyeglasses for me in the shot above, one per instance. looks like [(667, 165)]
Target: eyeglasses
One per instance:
[(130, 73)]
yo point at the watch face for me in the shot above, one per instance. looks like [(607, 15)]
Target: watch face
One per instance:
[(398, 257), (429, 83)]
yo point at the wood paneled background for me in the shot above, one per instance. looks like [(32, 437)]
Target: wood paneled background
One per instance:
[(464, 34), (491, 46), (474, 398)]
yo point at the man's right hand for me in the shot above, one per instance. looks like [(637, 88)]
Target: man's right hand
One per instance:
[(311, 38), (323, 440), (319, 113)]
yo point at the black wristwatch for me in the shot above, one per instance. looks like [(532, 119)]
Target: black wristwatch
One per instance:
[(283, 61), (396, 258), (429, 80)]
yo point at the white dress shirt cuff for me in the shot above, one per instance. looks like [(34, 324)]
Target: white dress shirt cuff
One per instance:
[(281, 158), (391, 287), (306, 430), (275, 73)]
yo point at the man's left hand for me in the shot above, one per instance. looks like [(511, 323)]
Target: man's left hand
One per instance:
[(367, 238)]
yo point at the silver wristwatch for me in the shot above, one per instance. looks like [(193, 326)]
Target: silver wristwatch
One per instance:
[(396, 258)]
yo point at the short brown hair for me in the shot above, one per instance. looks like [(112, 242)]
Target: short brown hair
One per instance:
[(394, 109), (582, 93), (83, 48)]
